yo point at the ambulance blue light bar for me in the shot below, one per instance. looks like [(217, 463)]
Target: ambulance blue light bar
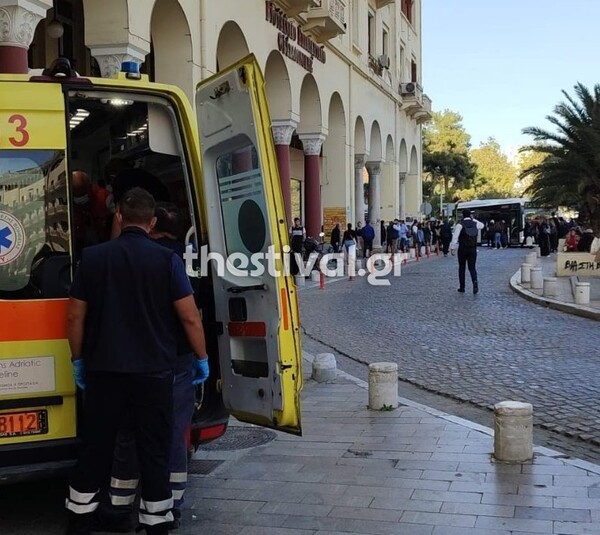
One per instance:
[(131, 70)]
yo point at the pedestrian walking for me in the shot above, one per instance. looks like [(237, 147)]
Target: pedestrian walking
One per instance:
[(336, 236), (297, 237), (465, 239), (349, 241), (391, 237), (127, 299), (368, 235), (446, 236)]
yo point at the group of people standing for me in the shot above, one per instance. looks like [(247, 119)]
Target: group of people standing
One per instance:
[(397, 236)]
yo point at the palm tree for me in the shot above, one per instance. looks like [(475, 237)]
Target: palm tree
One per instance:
[(569, 174)]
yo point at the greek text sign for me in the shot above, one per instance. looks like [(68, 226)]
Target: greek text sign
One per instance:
[(582, 264), (291, 35), (28, 375)]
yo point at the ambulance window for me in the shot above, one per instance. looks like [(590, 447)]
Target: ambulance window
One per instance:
[(34, 225), (242, 195), (119, 141)]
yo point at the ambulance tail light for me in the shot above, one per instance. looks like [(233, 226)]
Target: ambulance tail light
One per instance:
[(211, 433)]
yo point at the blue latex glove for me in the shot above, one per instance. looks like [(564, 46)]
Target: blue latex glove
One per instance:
[(79, 373), (200, 371)]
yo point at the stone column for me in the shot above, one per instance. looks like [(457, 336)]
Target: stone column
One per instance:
[(110, 57), (374, 169), (359, 189), (18, 20), (282, 136), (312, 182), (402, 184)]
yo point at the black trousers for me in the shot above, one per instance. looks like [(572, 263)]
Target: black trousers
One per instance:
[(108, 399), (446, 245), (467, 256)]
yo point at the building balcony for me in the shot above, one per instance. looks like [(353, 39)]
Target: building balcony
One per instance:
[(414, 102), (425, 115), (294, 7), (382, 3), (326, 21)]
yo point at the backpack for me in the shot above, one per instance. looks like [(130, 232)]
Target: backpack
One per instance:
[(469, 233)]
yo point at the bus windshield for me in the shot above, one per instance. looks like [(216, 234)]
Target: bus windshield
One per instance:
[(34, 221)]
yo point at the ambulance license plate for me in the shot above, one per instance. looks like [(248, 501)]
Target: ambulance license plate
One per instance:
[(16, 424)]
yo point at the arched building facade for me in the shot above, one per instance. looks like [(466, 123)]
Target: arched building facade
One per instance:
[(343, 79)]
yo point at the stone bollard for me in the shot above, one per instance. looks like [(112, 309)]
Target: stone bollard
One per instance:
[(537, 278), (383, 385), (300, 281), (315, 276), (550, 287), (538, 251), (582, 293), (359, 263), (324, 368), (525, 273), (513, 431), (412, 253), (531, 259)]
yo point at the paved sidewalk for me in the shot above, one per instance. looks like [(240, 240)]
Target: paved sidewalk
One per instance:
[(564, 301), (413, 471)]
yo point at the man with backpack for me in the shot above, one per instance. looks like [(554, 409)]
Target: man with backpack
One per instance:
[(465, 237)]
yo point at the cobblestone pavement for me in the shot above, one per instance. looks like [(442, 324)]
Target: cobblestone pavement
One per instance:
[(480, 348)]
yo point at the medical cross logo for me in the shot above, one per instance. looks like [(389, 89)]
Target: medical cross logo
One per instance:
[(12, 238)]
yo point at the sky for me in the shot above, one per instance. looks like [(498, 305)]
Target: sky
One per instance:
[(503, 64)]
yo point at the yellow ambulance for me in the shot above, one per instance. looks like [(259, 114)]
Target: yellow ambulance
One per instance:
[(217, 165)]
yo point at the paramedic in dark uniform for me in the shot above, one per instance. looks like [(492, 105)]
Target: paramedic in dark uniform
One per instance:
[(465, 238), (127, 298), (114, 514)]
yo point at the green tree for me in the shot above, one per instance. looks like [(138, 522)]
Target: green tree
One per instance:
[(569, 174), (527, 160), (445, 133), (446, 160), (495, 176)]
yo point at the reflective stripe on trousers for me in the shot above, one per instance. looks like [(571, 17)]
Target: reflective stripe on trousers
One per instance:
[(154, 513), (81, 503)]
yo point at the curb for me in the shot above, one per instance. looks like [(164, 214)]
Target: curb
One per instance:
[(569, 308), (539, 450)]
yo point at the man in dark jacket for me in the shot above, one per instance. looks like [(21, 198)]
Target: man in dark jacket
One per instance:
[(335, 238), (465, 238), (446, 236), (368, 235), (127, 299)]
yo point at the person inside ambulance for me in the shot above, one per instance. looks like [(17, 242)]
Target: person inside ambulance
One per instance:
[(91, 213)]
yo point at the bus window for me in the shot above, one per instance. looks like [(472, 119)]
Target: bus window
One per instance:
[(120, 141), (34, 225)]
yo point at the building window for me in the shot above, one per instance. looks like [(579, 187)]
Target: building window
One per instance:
[(385, 42), (355, 22), (414, 75), (372, 34), (407, 9), (401, 62)]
